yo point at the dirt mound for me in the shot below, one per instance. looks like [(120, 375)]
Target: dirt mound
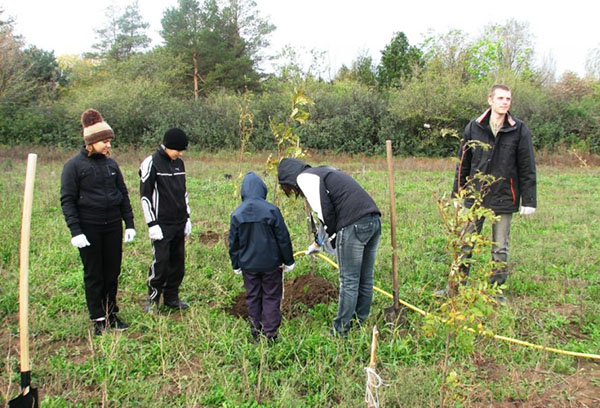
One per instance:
[(301, 293), (211, 238)]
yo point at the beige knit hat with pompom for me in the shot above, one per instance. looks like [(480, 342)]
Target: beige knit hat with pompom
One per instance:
[(95, 128)]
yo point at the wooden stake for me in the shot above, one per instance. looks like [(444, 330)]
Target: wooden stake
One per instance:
[(370, 400), (24, 262), (388, 146)]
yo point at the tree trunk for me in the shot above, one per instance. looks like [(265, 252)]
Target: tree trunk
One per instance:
[(195, 59)]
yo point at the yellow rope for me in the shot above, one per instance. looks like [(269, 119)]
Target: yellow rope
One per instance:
[(495, 336)]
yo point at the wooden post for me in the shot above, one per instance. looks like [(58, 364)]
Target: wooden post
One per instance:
[(388, 146), (24, 262), (370, 399)]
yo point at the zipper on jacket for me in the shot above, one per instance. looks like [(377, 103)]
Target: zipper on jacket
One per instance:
[(512, 191)]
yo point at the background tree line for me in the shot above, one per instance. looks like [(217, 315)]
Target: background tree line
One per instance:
[(209, 68)]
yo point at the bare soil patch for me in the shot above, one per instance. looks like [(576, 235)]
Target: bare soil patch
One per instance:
[(211, 238)]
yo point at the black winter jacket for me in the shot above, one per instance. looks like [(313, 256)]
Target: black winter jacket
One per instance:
[(259, 240), (93, 191), (510, 160), (163, 189), (334, 195)]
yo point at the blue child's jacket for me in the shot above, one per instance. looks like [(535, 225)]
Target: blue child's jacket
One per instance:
[(258, 237)]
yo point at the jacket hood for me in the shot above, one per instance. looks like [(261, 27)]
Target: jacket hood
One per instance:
[(253, 187), (289, 169)]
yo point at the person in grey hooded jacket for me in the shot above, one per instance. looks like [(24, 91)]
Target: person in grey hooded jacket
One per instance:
[(352, 221)]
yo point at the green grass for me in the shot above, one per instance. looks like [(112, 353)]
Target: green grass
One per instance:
[(204, 356)]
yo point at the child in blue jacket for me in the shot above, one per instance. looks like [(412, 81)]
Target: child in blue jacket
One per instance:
[(261, 250)]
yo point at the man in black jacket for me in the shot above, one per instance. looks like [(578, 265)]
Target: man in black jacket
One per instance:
[(260, 248), (167, 213), (510, 159)]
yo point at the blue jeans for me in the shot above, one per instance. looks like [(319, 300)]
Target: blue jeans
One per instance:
[(356, 249)]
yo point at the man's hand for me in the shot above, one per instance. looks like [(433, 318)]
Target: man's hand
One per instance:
[(237, 271), (155, 233), (527, 210), (188, 228), (80, 241), (129, 235), (313, 249), (288, 268)]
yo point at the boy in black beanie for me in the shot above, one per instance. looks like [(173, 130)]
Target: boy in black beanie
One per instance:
[(167, 213)]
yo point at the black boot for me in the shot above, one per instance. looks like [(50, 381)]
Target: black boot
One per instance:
[(117, 324), (99, 327), (176, 304)]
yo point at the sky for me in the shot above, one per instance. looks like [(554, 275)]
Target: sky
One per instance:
[(563, 32)]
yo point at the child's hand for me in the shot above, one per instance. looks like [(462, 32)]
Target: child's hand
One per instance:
[(129, 235), (80, 241), (155, 233)]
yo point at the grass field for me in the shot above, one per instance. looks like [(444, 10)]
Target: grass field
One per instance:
[(205, 356)]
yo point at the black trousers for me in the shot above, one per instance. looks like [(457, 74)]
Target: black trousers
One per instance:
[(168, 268), (263, 299), (101, 267)]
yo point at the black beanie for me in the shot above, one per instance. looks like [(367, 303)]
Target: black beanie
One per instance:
[(175, 139)]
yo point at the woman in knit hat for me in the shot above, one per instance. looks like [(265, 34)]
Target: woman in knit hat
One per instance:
[(95, 202)]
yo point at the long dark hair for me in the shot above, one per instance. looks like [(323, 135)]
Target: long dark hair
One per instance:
[(288, 189)]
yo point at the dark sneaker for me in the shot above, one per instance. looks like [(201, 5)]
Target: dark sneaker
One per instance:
[(116, 323), (99, 327), (151, 305), (176, 304)]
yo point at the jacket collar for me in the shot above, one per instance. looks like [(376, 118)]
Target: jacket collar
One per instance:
[(94, 156), (480, 119), (162, 153)]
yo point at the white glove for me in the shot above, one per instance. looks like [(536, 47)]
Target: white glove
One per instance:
[(80, 241), (527, 210), (238, 271), (313, 248), (188, 228), (155, 233), (288, 268), (129, 235)]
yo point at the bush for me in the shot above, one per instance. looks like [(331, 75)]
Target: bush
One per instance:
[(347, 117)]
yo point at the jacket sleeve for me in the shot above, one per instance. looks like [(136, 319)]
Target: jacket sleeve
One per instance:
[(463, 167), (126, 210), (147, 192), (526, 167), (314, 190), (283, 238), (234, 243), (187, 198), (69, 194)]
